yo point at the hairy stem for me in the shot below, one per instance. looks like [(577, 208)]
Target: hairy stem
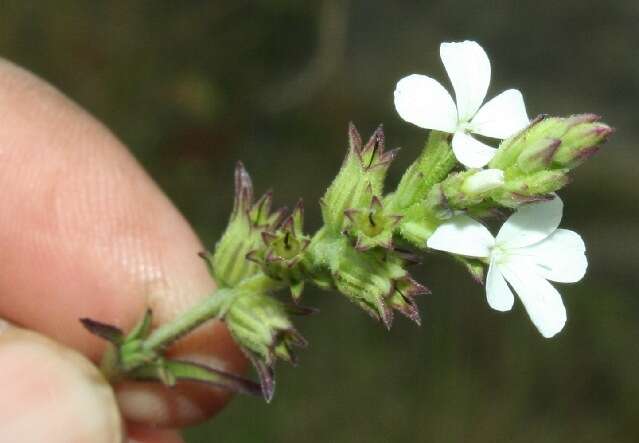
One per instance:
[(209, 307)]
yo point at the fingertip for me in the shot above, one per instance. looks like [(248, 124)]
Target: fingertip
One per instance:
[(51, 393)]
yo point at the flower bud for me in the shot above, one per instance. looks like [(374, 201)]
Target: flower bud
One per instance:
[(531, 188), (536, 162), (538, 155), (533, 148), (580, 143), (462, 190), (483, 181)]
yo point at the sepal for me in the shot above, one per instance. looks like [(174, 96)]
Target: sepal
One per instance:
[(362, 174), (371, 279), (247, 225), (127, 352), (260, 326), (168, 372), (283, 251), (474, 267), (371, 227)]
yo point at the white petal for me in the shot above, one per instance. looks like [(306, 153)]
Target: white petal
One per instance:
[(502, 116), (531, 224), (424, 102), (560, 257), (483, 181), (498, 294), (468, 67), (471, 152), (464, 236), (541, 300)]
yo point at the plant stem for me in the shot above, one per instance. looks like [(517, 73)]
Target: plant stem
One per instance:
[(209, 307)]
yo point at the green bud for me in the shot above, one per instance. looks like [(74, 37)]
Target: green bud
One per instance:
[(580, 143), (536, 162), (462, 190), (228, 264), (551, 142), (260, 326), (538, 155), (530, 188), (483, 181), (362, 174)]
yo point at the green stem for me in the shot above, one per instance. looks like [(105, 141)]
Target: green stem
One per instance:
[(209, 307), (213, 306)]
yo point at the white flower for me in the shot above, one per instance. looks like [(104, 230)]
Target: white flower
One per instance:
[(528, 251), (424, 102)]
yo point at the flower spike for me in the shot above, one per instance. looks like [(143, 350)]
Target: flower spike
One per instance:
[(362, 250)]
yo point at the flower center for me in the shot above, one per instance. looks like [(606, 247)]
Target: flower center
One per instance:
[(464, 126), (498, 253)]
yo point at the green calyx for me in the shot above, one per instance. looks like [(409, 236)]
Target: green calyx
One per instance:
[(537, 161), (377, 281), (282, 254), (260, 325), (362, 175), (228, 265), (371, 227)]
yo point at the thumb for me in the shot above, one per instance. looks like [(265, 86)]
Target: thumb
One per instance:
[(51, 393)]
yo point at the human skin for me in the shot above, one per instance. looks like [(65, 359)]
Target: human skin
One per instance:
[(84, 232)]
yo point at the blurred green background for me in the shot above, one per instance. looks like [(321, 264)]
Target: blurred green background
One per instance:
[(193, 86)]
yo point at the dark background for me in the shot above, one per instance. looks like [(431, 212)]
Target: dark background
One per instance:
[(193, 86)]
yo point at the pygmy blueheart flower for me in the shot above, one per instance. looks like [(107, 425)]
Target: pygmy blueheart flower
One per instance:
[(424, 102), (528, 251)]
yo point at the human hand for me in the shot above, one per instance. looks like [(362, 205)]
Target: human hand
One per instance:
[(84, 232)]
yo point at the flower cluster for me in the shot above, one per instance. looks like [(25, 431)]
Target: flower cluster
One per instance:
[(370, 237)]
